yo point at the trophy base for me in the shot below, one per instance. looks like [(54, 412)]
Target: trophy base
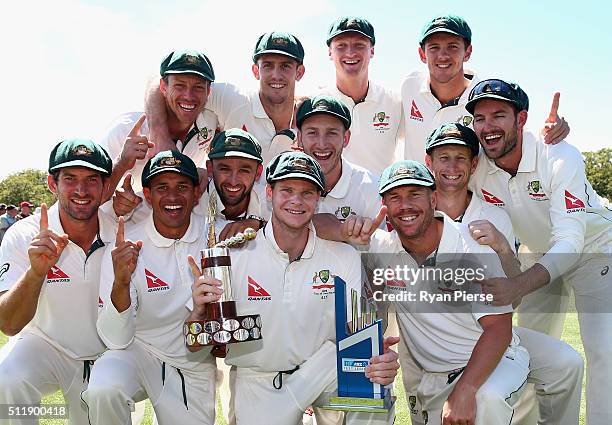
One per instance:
[(222, 329), (360, 404)]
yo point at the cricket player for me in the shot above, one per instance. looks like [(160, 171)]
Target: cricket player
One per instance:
[(185, 86), (473, 366), (559, 218), (376, 114), (438, 96), (452, 156), (323, 123), (49, 283), (234, 167), (267, 114), (145, 286), (294, 364)]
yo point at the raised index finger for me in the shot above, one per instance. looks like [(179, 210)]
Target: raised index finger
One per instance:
[(120, 231), (127, 181), (194, 267), (44, 218), (379, 218), (135, 131), (554, 108)]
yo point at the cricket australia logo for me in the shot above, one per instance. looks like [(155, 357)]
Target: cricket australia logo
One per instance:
[(82, 150), (192, 60), (170, 162), (323, 284), (380, 122), (205, 136), (342, 213), (535, 191), (465, 120)]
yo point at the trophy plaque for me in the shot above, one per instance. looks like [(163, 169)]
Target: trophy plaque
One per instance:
[(221, 324), (357, 341)]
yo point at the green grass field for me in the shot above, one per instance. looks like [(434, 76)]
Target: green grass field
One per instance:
[(571, 335)]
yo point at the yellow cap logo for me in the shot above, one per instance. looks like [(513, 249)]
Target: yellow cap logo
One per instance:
[(169, 162)]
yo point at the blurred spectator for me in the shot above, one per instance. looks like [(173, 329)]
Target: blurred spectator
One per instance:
[(7, 219), (2, 209), (25, 210)]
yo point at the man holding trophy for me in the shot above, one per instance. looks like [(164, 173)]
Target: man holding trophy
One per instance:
[(293, 366), (145, 288)]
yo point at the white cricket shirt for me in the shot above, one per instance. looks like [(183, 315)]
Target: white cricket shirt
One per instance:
[(355, 193), (160, 292), (441, 337), (553, 208), (68, 303), (375, 127), (295, 299), (480, 210), (237, 109), (196, 146), (423, 112)]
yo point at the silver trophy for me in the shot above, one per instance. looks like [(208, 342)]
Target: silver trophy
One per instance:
[(221, 325)]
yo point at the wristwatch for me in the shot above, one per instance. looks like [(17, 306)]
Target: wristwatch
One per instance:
[(262, 222)]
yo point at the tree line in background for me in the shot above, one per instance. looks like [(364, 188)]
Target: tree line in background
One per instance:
[(31, 185)]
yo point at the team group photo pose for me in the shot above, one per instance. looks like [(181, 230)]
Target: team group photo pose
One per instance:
[(250, 253)]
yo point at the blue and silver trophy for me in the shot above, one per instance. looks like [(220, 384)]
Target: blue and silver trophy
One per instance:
[(357, 341)]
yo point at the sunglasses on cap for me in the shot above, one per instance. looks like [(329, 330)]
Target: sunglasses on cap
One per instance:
[(500, 89), (494, 86)]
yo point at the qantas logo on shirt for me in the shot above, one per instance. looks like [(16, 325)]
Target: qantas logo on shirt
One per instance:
[(573, 204), (154, 283), (415, 114), (256, 292), (100, 303), (244, 128), (492, 199), (396, 284), (56, 275)]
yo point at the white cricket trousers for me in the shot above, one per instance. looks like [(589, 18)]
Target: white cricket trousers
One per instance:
[(556, 371), (33, 368), (494, 398), (256, 401), (120, 378), (591, 283)]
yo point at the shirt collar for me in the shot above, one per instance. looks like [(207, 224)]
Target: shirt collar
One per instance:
[(450, 235), (257, 106), (373, 95), (529, 156), (340, 190), (271, 240), (195, 230)]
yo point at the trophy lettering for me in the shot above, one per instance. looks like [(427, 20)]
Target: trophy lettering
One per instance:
[(356, 342), (221, 325)]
